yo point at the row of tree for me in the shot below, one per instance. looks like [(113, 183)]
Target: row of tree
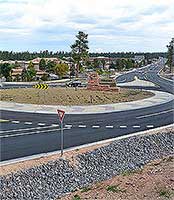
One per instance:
[(10, 55), (29, 73)]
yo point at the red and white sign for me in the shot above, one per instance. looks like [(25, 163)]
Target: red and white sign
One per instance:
[(61, 114)]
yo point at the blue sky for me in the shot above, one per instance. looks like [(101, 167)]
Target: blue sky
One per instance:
[(112, 25)]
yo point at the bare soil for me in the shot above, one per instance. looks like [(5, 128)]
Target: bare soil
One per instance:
[(154, 182), (70, 96)]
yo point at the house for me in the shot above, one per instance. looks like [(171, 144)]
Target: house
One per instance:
[(16, 73), (139, 58)]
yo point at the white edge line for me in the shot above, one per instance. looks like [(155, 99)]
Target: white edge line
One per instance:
[(153, 114), (24, 129), (141, 133), (31, 133)]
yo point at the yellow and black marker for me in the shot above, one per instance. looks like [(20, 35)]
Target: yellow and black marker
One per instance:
[(41, 86)]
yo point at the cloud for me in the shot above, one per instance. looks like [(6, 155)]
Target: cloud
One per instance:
[(112, 25)]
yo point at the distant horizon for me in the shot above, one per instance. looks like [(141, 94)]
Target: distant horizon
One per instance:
[(112, 26), (89, 51)]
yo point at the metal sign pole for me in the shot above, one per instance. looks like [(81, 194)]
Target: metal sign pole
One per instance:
[(61, 138), (61, 114)]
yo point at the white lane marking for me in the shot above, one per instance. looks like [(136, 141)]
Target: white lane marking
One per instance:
[(28, 123), (30, 133), (25, 129), (136, 126), (150, 126), (82, 126), (68, 125), (95, 126), (15, 122), (109, 126), (123, 126), (41, 124), (54, 125), (144, 116)]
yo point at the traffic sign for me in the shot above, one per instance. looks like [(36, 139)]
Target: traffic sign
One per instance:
[(41, 86), (61, 114)]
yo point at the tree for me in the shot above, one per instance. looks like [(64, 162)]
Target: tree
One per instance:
[(42, 64), (5, 70), (61, 69), (31, 65), (24, 75), (96, 63), (170, 55), (45, 77), (103, 63), (80, 50), (50, 66), (31, 72)]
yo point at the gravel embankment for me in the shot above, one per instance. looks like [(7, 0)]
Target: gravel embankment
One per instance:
[(56, 178)]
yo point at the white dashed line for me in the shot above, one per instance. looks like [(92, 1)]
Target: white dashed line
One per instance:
[(109, 126), (150, 126), (136, 126), (68, 125), (27, 123), (15, 122), (82, 126), (95, 126), (123, 126), (54, 125), (41, 124)]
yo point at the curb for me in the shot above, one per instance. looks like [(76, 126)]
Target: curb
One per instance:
[(164, 77), (159, 98), (141, 133)]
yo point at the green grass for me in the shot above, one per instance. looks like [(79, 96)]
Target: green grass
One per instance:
[(164, 192), (76, 197), (130, 172), (85, 189), (114, 188)]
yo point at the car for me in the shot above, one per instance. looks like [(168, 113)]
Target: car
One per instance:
[(75, 83)]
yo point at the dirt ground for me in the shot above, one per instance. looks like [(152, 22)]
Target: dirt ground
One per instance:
[(69, 96), (154, 182)]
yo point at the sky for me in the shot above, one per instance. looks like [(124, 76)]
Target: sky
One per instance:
[(111, 25)]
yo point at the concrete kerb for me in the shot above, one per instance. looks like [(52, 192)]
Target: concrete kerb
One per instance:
[(42, 155), (159, 98), (35, 82), (164, 77)]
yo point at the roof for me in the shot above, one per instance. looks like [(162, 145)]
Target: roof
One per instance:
[(16, 71)]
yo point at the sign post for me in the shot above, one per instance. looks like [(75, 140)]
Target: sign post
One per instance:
[(61, 115)]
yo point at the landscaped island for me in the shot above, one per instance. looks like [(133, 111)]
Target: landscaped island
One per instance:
[(70, 96)]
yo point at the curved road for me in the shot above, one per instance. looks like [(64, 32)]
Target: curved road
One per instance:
[(28, 134)]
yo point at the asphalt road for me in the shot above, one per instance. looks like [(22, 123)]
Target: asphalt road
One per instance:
[(149, 73), (26, 134)]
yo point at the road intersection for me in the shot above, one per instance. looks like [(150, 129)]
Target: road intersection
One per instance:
[(28, 133)]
